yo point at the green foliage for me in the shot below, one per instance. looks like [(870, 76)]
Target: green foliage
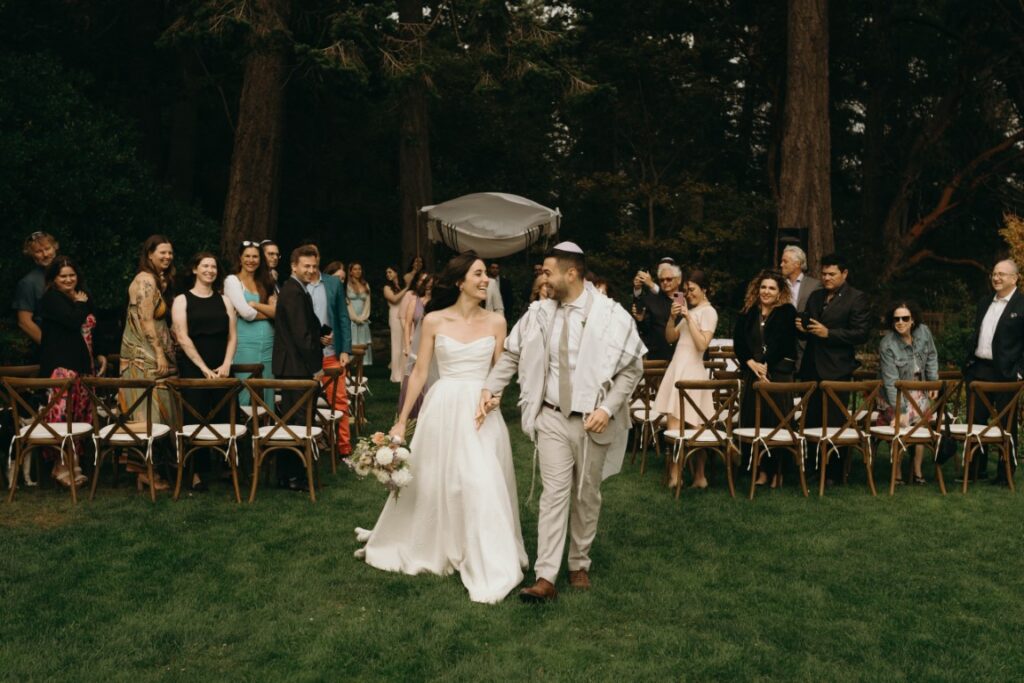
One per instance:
[(69, 168)]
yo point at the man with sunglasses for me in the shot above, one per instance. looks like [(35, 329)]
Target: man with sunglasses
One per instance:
[(651, 310), (996, 350), (42, 248)]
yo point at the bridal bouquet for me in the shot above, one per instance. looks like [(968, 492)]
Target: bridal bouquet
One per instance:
[(386, 460)]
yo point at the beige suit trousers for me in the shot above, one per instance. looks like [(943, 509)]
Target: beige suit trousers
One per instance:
[(560, 443)]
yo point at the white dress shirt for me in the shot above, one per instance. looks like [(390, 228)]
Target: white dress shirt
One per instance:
[(988, 326), (794, 288), (575, 313)]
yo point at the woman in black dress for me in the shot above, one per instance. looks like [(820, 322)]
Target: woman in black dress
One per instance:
[(66, 349), (204, 326), (765, 344)]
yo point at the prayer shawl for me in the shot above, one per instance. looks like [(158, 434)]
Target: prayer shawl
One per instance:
[(610, 343)]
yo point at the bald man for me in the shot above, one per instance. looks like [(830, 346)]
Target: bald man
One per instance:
[(996, 351)]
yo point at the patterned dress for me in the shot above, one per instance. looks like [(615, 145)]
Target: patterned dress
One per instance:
[(138, 357)]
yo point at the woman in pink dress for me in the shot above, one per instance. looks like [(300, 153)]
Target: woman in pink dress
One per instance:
[(691, 326)]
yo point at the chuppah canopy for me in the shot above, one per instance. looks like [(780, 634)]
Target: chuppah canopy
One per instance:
[(493, 224)]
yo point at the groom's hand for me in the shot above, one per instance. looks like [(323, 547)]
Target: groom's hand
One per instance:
[(596, 421), (483, 407)]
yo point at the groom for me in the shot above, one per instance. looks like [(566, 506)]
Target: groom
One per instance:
[(579, 357)]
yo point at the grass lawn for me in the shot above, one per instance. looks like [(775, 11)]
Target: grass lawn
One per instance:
[(916, 587)]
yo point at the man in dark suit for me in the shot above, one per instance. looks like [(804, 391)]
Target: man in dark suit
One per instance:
[(996, 351), (297, 348), (652, 310), (801, 285), (838, 320)]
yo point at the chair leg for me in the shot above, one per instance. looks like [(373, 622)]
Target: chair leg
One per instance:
[(19, 456), (152, 480), (643, 450), (822, 464), (233, 464), (728, 470), (181, 470), (869, 464), (755, 462), (803, 475), (1007, 468), (71, 469), (307, 460), (968, 457), (896, 458), (939, 478), (96, 473), (257, 460)]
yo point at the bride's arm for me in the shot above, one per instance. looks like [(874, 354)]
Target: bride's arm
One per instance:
[(418, 377)]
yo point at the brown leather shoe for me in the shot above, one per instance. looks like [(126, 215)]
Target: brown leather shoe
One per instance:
[(542, 591), (579, 579)]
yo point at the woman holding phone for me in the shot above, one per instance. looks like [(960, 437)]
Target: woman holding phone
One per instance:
[(691, 326)]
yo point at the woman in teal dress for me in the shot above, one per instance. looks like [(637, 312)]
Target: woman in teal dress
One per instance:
[(358, 295), (251, 292)]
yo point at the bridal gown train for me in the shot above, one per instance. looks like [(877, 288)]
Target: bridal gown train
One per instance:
[(460, 512)]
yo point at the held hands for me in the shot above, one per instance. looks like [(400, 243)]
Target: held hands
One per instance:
[(637, 314), (327, 339), (596, 421), (759, 369), (398, 432), (162, 366), (223, 371), (488, 402)]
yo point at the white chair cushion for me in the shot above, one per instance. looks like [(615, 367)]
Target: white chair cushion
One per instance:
[(653, 416), (815, 433), (282, 435), (159, 430), (782, 437), (919, 432), (328, 414), (355, 391), (321, 402), (707, 436), (206, 434), (994, 431), (41, 432), (862, 413)]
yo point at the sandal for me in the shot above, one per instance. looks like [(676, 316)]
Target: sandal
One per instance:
[(919, 481), (158, 483), (63, 478)]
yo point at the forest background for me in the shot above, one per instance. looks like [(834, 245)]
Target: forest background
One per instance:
[(658, 127)]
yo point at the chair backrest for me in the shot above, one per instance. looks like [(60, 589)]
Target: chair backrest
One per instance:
[(718, 424), (647, 390), (863, 396), (930, 415), (356, 363), (105, 397), (864, 375), (956, 401), (988, 394), (187, 414), (22, 371), (279, 422), (655, 364), (254, 370), (794, 397), (713, 365), (23, 410)]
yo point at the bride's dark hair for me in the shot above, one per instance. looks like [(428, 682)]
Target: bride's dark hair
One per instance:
[(446, 286)]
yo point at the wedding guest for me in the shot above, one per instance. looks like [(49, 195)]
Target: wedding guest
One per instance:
[(907, 352), (600, 284), (541, 289), (204, 327), (42, 248), (67, 318), (147, 351), (794, 268), (358, 293), (765, 343), (336, 269), (651, 310), (394, 292), (330, 307), (691, 326), (272, 257), (422, 293), (415, 266), (502, 285), (298, 349), (251, 293), (838, 320)]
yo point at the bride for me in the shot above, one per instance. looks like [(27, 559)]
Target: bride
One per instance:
[(460, 512)]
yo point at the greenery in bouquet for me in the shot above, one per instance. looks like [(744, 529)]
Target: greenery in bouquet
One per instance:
[(383, 458)]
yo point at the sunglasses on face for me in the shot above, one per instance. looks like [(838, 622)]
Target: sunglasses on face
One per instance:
[(901, 318)]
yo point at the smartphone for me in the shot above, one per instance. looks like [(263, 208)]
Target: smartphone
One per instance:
[(325, 330), (805, 319), (679, 298)]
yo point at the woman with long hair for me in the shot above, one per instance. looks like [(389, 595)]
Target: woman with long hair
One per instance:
[(251, 289), (421, 291), (460, 511), (147, 350), (357, 292), (765, 342), (394, 292), (416, 266), (692, 324), (67, 318)]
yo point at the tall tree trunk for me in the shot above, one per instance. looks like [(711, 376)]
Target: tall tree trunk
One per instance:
[(805, 196), (415, 183), (250, 210)]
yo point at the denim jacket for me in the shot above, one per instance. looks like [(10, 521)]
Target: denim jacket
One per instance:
[(897, 359)]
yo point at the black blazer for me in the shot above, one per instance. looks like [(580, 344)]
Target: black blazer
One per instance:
[(505, 289), (62, 344), (652, 327), (1008, 341), (779, 337), (297, 351), (848, 319)]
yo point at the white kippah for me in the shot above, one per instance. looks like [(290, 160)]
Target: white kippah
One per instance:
[(570, 247)]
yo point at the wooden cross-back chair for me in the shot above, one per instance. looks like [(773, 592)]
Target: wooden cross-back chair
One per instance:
[(327, 415), (698, 430), (278, 434), (956, 399), (997, 432), (197, 430), (6, 421), (251, 371), (646, 420), (925, 430), (357, 389), (114, 429), (33, 431), (854, 429), (787, 434)]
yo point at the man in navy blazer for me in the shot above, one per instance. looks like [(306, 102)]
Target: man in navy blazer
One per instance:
[(838, 320), (996, 350)]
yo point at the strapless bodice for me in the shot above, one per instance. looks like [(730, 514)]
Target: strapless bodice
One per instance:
[(463, 361)]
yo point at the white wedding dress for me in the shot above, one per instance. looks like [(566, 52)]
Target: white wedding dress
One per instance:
[(460, 512)]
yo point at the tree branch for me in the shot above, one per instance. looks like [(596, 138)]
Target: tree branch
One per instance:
[(929, 255)]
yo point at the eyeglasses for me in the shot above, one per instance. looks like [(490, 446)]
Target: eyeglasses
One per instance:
[(901, 318), (666, 279), (1003, 275)]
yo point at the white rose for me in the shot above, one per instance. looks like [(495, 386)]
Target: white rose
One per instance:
[(385, 456), (401, 477), (402, 454), (361, 470), (382, 476)]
